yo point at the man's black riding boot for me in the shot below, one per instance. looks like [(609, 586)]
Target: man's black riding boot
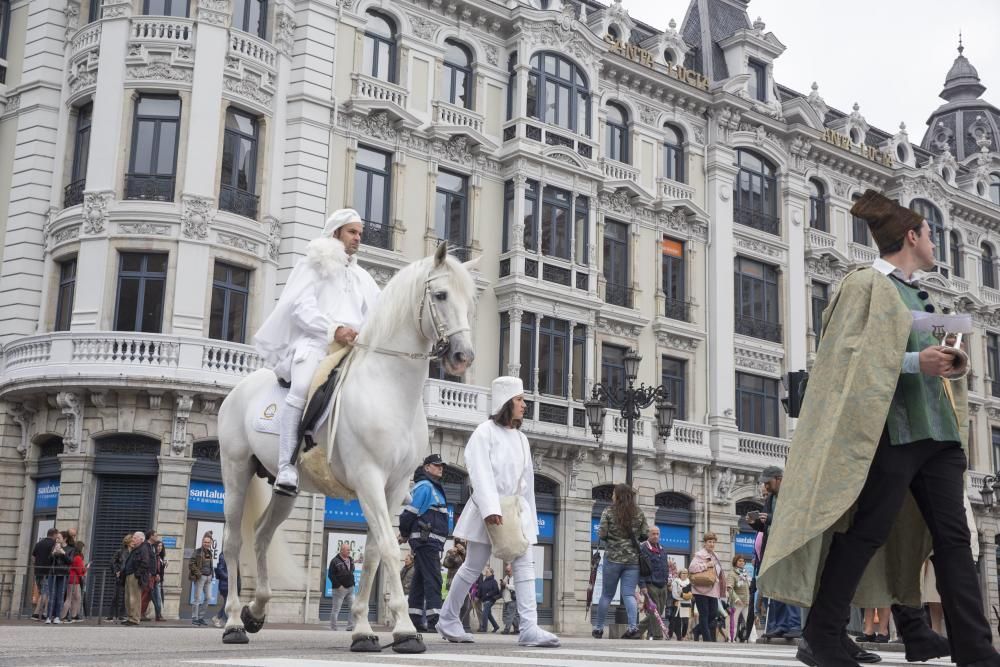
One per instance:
[(831, 608), (921, 642), (418, 622)]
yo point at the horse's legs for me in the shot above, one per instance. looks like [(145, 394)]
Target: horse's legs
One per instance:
[(237, 478), (277, 511), (375, 505), (359, 610)]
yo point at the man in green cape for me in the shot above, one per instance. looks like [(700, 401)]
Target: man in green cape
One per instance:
[(875, 475)]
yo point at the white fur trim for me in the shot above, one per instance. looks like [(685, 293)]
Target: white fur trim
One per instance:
[(326, 255)]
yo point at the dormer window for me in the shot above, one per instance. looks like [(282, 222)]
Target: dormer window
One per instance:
[(757, 86), (668, 57), (614, 32)]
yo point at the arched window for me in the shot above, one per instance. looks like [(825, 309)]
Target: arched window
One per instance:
[(458, 80), (995, 188), (988, 268), (673, 153), (933, 217), (614, 32), (755, 196), (859, 226), (380, 47), (558, 93), (616, 133), (955, 250), (817, 205)]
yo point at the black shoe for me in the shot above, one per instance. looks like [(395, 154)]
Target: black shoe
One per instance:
[(632, 634), (867, 639), (793, 634), (859, 653), (597, 634), (506, 631), (920, 641), (774, 634), (827, 656), (881, 639)]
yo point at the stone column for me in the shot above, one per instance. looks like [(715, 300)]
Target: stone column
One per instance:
[(475, 212), (171, 519), (573, 558), (517, 224), (514, 358), (795, 197)]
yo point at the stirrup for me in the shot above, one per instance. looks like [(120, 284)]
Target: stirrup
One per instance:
[(286, 490)]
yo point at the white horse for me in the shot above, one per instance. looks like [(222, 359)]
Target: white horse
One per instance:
[(381, 436)]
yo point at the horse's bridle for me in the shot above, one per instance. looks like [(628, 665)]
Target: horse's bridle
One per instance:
[(443, 343)]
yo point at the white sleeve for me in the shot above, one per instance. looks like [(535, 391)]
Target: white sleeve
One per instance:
[(529, 475), (477, 459), (308, 315)]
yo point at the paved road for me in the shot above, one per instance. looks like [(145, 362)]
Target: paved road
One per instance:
[(34, 645)]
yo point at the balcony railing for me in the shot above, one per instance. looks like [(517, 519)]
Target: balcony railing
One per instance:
[(162, 29), (245, 45), (763, 446), (85, 37), (619, 171), (817, 239), (675, 190), (150, 187), (749, 326), (376, 90), (377, 235), (765, 222), (677, 309), (105, 357), (618, 295), (73, 194), (239, 201), (862, 254), (449, 114)]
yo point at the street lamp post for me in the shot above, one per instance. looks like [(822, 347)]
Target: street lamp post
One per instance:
[(631, 400), (991, 486)]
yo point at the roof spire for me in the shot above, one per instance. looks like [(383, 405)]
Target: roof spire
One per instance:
[(960, 47)]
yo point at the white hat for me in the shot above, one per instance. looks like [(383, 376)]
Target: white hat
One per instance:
[(505, 388), (340, 218)]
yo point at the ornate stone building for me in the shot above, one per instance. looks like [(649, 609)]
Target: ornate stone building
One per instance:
[(165, 163)]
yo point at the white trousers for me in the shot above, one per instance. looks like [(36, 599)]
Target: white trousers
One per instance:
[(476, 556), (302, 375)]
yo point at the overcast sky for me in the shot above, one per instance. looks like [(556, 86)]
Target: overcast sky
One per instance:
[(889, 56)]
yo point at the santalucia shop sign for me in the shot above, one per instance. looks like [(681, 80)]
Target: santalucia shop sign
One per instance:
[(644, 57)]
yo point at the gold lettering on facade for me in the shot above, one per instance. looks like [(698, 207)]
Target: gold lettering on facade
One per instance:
[(644, 57), (868, 152)]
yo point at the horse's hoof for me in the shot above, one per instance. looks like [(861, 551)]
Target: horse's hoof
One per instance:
[(365, 644), (407, 643), (251, 624), (235, 636)]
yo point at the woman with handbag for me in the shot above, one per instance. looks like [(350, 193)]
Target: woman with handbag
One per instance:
[(501, 517), (708, 584), (622, 526)]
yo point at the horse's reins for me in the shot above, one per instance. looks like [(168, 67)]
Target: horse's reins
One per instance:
[(441, 344)]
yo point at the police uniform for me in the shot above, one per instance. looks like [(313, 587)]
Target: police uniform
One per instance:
[(425, 522)]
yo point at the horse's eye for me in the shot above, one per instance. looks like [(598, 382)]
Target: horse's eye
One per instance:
[(441, 296)]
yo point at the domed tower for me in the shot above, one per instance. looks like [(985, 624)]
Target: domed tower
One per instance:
[(965, 122)]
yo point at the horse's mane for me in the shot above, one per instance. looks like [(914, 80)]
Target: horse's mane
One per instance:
[(403, 295)]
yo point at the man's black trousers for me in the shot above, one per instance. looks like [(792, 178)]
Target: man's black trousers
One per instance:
[(934, 473), (425, 591)]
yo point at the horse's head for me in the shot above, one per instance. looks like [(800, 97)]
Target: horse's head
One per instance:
[(449, 296)]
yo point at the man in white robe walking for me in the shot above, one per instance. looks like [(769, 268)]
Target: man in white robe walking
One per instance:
[(326, 300)]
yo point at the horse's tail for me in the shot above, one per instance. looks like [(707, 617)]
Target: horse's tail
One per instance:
[(285, 570)]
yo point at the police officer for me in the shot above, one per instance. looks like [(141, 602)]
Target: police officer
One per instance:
[(425, 523)]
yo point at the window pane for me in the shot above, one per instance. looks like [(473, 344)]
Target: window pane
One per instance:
[(368, 56), (165, 154), (361, 194), (441, 215), (560, 232), (550, 102), (165, 107), (504, 343), (544, 364), (237, 316), (532, 109), (455, 54), (378, 210), (131, 261), (373, 159), (450, 182), (239, 22), (220, 273), (379, 25), (564, 107), (239, 277), (128, 304), (152, 306), (156, 263), (460, 90), (527, 367), (579, 361), (384, 64), (254, 20), (228, 158), (245, 165), (217, 313), (529, 224), (156, 7), (558, 379), (580, 233), (142, 156)]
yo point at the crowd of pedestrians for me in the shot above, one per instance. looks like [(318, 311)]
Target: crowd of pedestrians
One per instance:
[(60, 566)]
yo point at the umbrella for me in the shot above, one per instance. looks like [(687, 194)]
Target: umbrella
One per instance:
[(650, 608), (595, 562)]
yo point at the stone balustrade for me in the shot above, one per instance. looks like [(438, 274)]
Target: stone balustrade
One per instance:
[(366, 88), (106, 357), (449, 114), (619, 171), (817, 239), (763, 446), (675, 191), (862, 254), (85, 38), (248, 47), (162, 29)]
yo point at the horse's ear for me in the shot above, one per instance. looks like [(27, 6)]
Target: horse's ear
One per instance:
[(440, 254), (472, 264)]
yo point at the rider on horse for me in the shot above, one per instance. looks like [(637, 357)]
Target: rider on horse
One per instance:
[(326, 300)]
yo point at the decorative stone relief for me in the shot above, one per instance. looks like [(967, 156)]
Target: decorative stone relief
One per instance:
[(273, 226), (238, 242), (619, 202), (144, 229), (492, 54), (924, 188), (423, 28), (616, 328), (758, 360), (381, 274), (760, 248), (678, 222), (99, 399), (72, 13), (841, 188), (13, 103), (250, 87), (284, 31), (196, 216), (723, 483), (562, 37), (155, 400), (116, 9), (648, 114), (537, 457), (674, 341), (576, 464), (825, 267), (159, 67), (65, 234), (209, 405), (214, 12), (179, 440), (69, 404), (23, 415), (95, 211)]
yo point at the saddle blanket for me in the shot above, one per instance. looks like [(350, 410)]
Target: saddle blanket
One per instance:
[(267, 411)]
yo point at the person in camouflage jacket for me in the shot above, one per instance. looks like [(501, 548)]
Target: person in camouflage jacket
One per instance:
[(623, 525)]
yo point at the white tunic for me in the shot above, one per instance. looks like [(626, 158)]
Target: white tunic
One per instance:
[(499, 463)]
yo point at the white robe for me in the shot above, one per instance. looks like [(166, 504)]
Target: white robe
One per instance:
[(326, 289), (499, 463)]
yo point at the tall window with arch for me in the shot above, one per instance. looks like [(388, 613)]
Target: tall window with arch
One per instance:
[(379, 54), (558, 93), (458, 81), (755, 199), (616, 136), (988, 266), (932, 215), (817, 205), (955, 253), (673, 153)]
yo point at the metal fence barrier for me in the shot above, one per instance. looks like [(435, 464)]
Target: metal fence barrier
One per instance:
[(21, 587)]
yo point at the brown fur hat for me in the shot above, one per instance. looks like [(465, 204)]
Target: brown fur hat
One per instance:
[(887, 220)]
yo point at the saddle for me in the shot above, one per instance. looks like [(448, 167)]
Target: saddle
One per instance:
[(322, 392)]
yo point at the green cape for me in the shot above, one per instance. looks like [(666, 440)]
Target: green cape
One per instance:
[(851, 384)]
